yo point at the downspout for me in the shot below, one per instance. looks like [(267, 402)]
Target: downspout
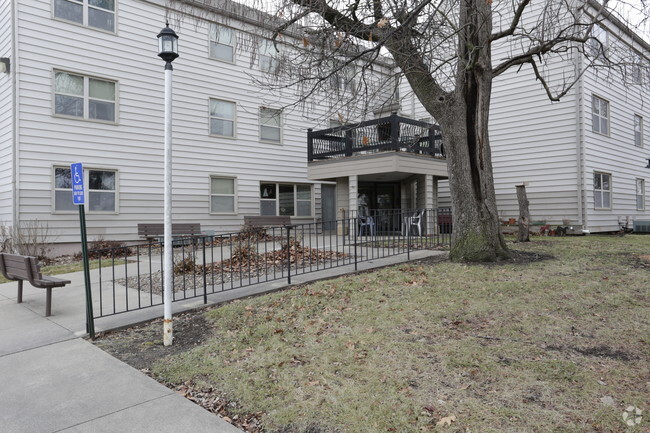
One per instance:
[(580, 134), (15, 183)]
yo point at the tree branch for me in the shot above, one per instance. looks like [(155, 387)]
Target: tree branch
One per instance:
[(513, 24)]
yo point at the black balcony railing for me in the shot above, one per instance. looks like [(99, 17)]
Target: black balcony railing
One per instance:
[(388, 134)]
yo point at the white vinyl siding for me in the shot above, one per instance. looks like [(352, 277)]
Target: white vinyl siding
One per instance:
[(99, 14), (599, 115), (270, 125), (222, 118), (602, 191), (638, 130), (7, 113), (640, 194), (84, 97), (222, 43), (286, 199), (223, 198)]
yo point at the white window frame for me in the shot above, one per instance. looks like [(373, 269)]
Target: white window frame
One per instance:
[(602, 191), (279, 113), (599, 42), (295, 198), (235, 209), (86, 98), (639, 184), (87, 191), (638, 130), (84, 20), (233, 120), (233, 45), (635, 73), (597, 103), (268, 57)]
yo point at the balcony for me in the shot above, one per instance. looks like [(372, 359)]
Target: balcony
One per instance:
[(388, 134)]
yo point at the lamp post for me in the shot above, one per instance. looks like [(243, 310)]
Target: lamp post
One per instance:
[(168, 51)]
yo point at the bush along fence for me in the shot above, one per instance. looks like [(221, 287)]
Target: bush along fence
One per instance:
[(131, 277)]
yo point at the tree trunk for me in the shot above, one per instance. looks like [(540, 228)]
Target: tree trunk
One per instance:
[(524, 214), (477, 234)]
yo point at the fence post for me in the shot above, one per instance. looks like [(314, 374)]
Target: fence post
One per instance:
[(310, 144), (205, 278), (288, 254), (356, 240), (408, 242), (348, 143), (394, 131)]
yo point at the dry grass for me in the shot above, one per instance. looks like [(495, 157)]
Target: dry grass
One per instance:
[(535, 347)]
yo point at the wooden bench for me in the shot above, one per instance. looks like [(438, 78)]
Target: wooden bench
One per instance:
[(26, 268), (266, 221), (152, 231)]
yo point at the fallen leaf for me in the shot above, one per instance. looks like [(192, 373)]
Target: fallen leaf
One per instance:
[(446, 420)]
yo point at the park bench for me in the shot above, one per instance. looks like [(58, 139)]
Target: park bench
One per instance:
[(25, 268), (266, 220), (151, 231)]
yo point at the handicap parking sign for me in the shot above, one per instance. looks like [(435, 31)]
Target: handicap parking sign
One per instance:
[(77, 173)]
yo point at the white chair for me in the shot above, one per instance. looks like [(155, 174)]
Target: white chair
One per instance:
[(414, 220)]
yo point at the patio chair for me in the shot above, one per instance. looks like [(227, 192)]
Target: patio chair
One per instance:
[(411, 221), (366, 222)]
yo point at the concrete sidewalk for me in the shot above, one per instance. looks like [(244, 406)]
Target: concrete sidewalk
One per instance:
[(53, 380)]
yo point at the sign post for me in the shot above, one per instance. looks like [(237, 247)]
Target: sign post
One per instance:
[(79, 199)]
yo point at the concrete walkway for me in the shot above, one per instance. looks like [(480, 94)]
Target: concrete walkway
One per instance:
[(53, 380)]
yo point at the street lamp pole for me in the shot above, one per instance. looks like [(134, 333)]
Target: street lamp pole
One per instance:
[(168, 51)]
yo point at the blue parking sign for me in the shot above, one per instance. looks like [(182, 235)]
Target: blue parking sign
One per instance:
[(77, 173)]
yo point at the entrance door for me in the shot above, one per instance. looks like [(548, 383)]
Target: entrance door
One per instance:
[(383, 200), (328, 203)]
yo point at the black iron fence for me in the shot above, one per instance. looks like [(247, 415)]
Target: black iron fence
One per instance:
[(131, 277), (393, 133)]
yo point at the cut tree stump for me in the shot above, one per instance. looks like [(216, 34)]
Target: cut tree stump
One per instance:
[(524, 214)]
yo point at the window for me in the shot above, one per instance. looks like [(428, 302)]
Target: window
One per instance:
[(99, 14), (63, 190), (269, 56), (101, 191), (270, 125), (634, 72), (222, 195), (599, 115), (598, 43), (222, 43), (222, 118), (84, 97), (285, 199), (640, 194), (602, 191), (638, 130), (343, 79)]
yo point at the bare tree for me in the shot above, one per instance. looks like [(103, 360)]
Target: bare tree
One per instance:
[(444, 49)]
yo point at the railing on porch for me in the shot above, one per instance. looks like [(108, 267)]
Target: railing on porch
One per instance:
[(392, 133), (207, 265)]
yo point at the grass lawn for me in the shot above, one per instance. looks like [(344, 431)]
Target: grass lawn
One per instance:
[(558, 343), (71, 267)]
